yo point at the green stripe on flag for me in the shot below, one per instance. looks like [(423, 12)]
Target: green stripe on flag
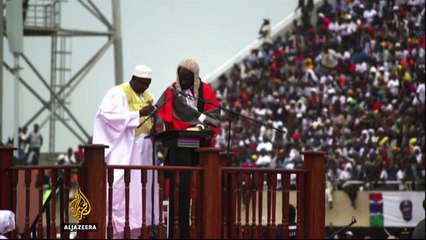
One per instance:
[(376, 220)]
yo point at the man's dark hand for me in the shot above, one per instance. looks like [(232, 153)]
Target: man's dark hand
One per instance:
[(147, 110)]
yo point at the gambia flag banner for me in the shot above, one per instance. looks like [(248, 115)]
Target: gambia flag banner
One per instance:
[(396, 209), (376, 209)]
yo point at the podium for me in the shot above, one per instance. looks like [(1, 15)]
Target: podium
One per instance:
[(181, 152)]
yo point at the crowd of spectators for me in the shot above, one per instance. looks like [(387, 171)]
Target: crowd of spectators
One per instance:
[(350, 83)]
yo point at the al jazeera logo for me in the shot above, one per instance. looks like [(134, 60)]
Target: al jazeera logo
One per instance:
[(79, 207)]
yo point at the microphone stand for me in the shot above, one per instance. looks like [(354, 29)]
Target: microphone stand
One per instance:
[(152, 114), (353, 221), (231, 112)]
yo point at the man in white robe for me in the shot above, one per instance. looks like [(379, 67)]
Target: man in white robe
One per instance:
[(122, 122)]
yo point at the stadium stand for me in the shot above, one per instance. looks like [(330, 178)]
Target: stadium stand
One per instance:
[(350, 83)]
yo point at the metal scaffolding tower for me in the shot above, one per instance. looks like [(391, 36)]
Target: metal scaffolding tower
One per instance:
[(42, 18)]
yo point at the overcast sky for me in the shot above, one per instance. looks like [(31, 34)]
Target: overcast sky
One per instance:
[(155, 33)]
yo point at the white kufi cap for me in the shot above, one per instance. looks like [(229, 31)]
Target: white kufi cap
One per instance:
[(142, 71)]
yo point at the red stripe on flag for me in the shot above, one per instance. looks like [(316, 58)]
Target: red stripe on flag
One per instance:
[(376, 197)]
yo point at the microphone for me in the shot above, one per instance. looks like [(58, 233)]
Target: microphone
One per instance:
[(353, 221), (179, 93), (174, 90)]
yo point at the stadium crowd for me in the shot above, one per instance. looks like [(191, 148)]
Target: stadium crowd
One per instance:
[(351, 84)]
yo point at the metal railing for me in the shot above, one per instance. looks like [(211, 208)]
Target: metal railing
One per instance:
[(43, 14)]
